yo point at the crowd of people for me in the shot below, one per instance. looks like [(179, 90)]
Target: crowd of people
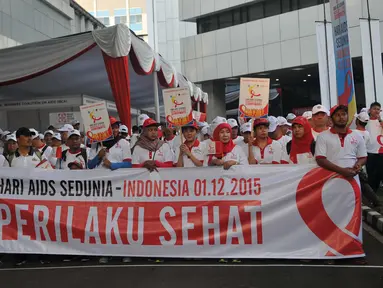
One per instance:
[(320, 136)]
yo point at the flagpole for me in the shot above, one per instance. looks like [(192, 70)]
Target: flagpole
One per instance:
[(372, 49), (327, 55)]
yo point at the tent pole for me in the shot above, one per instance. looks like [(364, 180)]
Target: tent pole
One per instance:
[(156, 97)]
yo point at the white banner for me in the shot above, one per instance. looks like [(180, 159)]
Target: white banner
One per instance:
[(372, 60), (59, 119), (273, 211), (326, 64)]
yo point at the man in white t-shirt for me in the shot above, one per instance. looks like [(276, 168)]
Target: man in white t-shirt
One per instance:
[(25, 156), (234, 131), (339, 149), (75, 155), (276, 130), (361, 121), (39, 145), (319, 120), (64, 132), (246, 132), (309, 116), (375, 147)]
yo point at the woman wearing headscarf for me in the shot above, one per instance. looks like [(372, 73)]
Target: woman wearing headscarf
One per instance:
[(301, 148), (150, 152), (192, 152), (227, 153), (264, 150)]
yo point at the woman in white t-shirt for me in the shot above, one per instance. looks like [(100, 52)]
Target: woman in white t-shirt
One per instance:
[(150, 152), (227, 153), (192, 152), (301, 148), (264, 149)]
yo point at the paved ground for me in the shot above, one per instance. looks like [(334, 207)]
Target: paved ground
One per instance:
[(200, 274)]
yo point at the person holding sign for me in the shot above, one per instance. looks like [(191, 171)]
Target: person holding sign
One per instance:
[(226, 153), (264, 150), (150, 152), (191, 152)]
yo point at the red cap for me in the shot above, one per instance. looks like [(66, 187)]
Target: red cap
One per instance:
[(261, 121), (150, 122), (113, 120), (337, 107)]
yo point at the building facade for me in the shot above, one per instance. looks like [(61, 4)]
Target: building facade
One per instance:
[(274, 39), (111, 12), (26, 21)]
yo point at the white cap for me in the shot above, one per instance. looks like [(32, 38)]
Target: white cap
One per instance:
[(123, 129), (57, 136), (49, 132), (364, 110), (291, 116), (11, 137), (66, 128), (273, 123), (202, 124), (41, 136), (141, 119), (308, 115), (75, 122), (216, 122), (34, 132), (363, 117), (320, 108), (205, 130), (232, 122), (74, 133), (282, 121), (246, 127)]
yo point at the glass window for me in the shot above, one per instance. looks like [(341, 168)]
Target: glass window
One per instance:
[(244, 14), (104, 20), (225, 20), (135, 19), (272, 8), (308, 3), (256, 12), (120, 20), (286, 7), (207, 24), (237, 17)]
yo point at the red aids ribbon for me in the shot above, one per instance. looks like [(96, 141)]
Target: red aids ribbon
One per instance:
[(344, 98), (380, 141), (310, 206)]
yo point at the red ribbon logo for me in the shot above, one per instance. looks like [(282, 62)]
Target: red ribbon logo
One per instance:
[(380, 141), (310, 206), (344, 99)]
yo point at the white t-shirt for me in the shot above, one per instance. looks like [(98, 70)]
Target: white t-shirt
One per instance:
[(315, 133), (71, 158), (284, 140), (29, 161), (3, 161), (365, 134), (342, 152), (163, 155), (48, 151), (198, 151), (271, 154), (245, 147), (375, 145), (133, 139), (237, 155), (174, 143), (120, 152), (238, 140), (303, 158)]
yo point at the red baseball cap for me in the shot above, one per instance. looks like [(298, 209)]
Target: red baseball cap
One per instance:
[(336, 108), (261, 121), (150, 122), (113, 120)]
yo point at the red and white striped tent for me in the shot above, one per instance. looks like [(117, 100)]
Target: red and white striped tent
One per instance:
[(112, 64)]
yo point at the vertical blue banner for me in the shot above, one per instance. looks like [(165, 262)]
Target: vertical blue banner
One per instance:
[(344, 74)]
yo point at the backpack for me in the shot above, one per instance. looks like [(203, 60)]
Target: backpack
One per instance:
[(83, 153)]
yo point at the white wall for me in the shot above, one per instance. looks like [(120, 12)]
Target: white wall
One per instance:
[(25, 21), (278, 42), (168, 30)]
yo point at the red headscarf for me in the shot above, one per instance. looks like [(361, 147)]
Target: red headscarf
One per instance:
[(303, 145), (228, 147)]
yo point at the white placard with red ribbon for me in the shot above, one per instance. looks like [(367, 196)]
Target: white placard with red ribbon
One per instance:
[(273, 211), (178, 108), (254, 97), (96, 121)]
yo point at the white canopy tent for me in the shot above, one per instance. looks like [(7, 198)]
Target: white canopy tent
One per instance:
[(112, 64)]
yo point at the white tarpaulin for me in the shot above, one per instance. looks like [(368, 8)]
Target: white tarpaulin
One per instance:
[(276, 211)]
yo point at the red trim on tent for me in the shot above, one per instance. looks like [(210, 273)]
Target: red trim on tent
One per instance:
[(203, 107), (58, 65), (162, 80), (137, 66), (118, 74)]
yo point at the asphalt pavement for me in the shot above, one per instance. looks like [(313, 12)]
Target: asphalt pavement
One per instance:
[(204, 273)]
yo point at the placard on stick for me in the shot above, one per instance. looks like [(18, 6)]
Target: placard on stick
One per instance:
[(254, 97), (178, 108), (96, 122)]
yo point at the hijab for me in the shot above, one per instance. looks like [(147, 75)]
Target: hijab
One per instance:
[(228, 147), (302, 145)]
